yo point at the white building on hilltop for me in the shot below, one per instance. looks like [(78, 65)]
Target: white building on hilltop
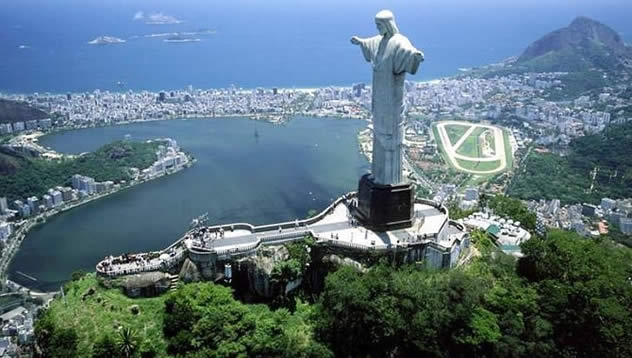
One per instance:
[(508, 233)]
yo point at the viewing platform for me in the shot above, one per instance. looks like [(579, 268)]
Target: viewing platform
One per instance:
[(432, 235)]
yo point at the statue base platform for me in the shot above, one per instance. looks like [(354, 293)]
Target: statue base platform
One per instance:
[(384, 207)]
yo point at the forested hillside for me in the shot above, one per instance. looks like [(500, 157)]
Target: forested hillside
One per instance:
[(599, 165), (33, 176), (12, 111)]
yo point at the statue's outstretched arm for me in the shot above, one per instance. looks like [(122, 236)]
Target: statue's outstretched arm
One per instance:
[(368, 46), (356, 40)]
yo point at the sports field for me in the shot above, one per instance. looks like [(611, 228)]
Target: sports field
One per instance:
[(474, 148)]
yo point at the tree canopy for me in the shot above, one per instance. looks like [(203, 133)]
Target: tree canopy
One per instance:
[(35, 176), (204, 320), (604, 154), (568, 297)]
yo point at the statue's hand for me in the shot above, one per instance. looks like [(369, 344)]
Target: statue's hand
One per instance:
[(355, 40)]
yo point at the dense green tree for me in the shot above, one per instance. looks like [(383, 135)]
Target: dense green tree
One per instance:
[(514, 209), (567, 297), (55, 342), (585, 292), (34, 176), (204, 320), (127, 342), (105, 347), (457, 213), (603, 156)]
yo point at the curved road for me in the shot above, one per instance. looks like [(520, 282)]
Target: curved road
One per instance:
[(450, 149)]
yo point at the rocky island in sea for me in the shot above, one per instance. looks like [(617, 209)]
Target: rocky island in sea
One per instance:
[(162, 19), (180, 38), (106, 40)]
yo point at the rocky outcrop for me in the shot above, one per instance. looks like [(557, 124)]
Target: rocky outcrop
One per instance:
[(584, 44), (337, 261), (189, 272), (146, 284), (260, 268)]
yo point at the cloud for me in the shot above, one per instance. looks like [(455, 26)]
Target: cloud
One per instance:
[(139, 15), (159, 18)]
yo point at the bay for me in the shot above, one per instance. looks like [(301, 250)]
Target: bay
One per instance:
[(280, 175), (44, 43)]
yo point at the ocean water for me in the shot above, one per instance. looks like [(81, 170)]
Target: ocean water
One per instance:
[(262, 43), (279, 176)]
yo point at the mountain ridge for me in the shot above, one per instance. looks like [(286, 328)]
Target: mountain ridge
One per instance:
[(584, 44), (15, 111)]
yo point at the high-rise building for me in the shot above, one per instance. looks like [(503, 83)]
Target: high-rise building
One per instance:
[(25, 210), (58, 198), (18, 126), (90, 186), (17, 204), (45, 123), (588, 210), (624, 206), (6, 128), (625, 224), (76, 181), (5, 230), (357, 89), (47, 201), (66, 194), (100, 187), (608, 204), (33, 203), (3, 205), (32, 124), (109, 185), (83, 183)]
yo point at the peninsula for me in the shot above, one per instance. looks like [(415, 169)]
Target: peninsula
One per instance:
[(72, 181)]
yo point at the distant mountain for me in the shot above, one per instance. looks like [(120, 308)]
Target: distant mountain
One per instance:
[(13, 111), (583, 45)]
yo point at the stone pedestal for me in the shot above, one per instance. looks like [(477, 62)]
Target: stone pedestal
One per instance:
[(384, 207)]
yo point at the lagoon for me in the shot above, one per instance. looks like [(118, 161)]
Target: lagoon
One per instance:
[(278, 175)]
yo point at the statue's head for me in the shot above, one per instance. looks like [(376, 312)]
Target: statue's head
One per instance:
[(385, 22)]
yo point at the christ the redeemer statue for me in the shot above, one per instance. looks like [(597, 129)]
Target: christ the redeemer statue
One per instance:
[(385, 202), (391, 55)]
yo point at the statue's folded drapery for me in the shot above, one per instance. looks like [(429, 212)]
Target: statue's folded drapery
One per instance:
[(391, 56)]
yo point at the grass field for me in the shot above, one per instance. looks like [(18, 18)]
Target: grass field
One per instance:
[(442, 151), (508, 152), (104, 310), (455, 132), (489, 137), (471, 147), (481, 166)]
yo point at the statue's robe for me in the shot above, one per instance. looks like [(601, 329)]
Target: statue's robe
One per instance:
[(391, 58)]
